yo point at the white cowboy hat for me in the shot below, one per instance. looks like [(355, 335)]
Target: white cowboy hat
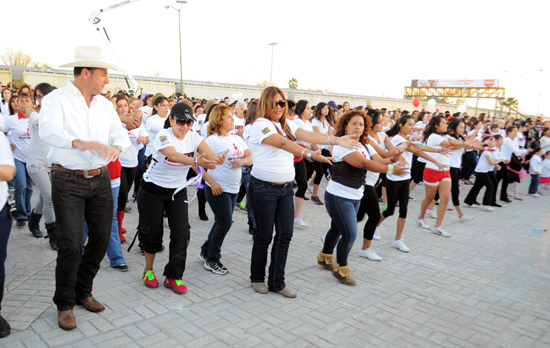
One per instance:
[(90, 57)]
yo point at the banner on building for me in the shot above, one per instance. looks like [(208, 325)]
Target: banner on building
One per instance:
[(455, 83)]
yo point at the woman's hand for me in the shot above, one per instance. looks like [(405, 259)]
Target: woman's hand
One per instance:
[(347, 141), (445, 150), (440, 166), (235, 164), (320, 158), (142, 140), (203, 162), (220, 159), (398, 169), (216, 189)]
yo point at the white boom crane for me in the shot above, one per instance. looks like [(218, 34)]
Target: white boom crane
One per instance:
[(94, 19)]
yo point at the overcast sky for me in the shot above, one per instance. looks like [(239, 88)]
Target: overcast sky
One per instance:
[(359, 47)]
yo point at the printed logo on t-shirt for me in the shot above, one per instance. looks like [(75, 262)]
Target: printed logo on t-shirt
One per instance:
[(238, 128), (266, 130), (174, 164), (131, 134), (364, 154), (200, 121), (25, 135), (163, 139), (237, 152)]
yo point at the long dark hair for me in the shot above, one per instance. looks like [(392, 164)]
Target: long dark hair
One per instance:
[(157, 102), (397, 126), (430, 128), (453, 125), (318, 108), (374, 116), (252, 112), (301, 107)]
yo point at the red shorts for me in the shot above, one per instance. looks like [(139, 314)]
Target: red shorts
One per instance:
[(544, 180), (433, 177)]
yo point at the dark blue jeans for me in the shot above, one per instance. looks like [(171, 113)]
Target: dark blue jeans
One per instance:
[(75, 199), (246, 179), (273, 205), (23, 190), (5, 229), (343, 227), (222, 206), (534, 184)]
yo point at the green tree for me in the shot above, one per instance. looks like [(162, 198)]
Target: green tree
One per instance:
[(293, 83), (509, 103)]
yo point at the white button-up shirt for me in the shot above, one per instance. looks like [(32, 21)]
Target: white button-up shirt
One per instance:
[(65, 117)]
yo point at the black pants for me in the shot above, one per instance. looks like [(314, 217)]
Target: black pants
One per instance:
[(397, 191), (75, 199), (482, 179), (417, 173), (455, 190), (469, 163), (300, 177), (153, 201), (127, 176), (369, 205), (319, 168), (502, 174)]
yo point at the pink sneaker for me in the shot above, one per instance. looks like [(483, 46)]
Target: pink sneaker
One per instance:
[(149, 279), (176, 285)]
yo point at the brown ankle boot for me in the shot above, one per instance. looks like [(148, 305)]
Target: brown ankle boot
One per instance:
[(326, 261), (343, 274), (66, 320)]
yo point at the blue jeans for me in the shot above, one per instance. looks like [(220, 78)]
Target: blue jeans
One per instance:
[(222, 206), (534, 184), (114, 250), (273, 205), (246, 179), (343, 227), (5, 229), (23, 190)]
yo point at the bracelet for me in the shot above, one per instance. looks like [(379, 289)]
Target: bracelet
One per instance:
[(392, 161), (390, 169), (309, 156), (331, 140), (438, 150), (302, 155), (196, 162)]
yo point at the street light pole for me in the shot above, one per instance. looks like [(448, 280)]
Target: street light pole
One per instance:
[(182, 2), (271, 73)]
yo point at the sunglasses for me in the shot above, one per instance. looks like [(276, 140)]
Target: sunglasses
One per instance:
[(184, 122), (281, 103)]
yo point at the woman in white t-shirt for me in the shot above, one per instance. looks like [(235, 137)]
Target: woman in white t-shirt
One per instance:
[(147, 107), (272, 145), (7, 171), (38, 167), (320, 124), (438, 180), (177, 149), (222, 183), (18, 125), (240, 111), (345, 191), (397, 186), (6, 95), (129, 158), (303, 112)]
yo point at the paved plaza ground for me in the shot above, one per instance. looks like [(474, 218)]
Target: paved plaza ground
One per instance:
[(487, 285)]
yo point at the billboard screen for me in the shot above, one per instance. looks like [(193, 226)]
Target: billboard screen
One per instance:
[(455, 83)]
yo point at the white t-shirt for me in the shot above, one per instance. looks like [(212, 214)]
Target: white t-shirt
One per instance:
[(246, 133), (305, 126), (129, 158), (381, 141), (545, 168), (20, 136), (229, 179), (323, 128), (433, 141), (271, 164), (199, 122), (238, 123), (147, 112), (163, 172), (204, 129), (407, 156), (372, 177), (155, 125), (337, 189), (6, 159), (483, 165), (535, 164), (455, 157)]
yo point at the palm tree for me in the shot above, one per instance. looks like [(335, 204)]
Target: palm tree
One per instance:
[(509, 102)]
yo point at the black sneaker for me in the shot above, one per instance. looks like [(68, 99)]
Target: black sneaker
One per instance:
[(316, 200), (216, 268), (203, 216), (122, 267)]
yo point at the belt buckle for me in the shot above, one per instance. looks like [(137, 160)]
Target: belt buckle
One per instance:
[(86, 176)]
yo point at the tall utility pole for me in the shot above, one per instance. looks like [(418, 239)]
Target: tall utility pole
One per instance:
[(271, 73), (182, 2)]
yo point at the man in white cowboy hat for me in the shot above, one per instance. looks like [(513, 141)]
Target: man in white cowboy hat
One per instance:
[(85, 134)]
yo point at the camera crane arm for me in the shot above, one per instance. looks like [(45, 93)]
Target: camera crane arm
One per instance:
[(94, 19)]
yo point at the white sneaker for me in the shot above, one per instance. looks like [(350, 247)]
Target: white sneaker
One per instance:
[(470, 206), (486, 208), (536, 195), (370, 254), (298, 221), (310, 189), (465, 217), (376, 234), (420, 222), (398, 244), (432, 213), (324, 237), (440, 231)]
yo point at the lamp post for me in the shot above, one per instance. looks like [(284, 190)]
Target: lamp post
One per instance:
[(271, 73), (182, 2)]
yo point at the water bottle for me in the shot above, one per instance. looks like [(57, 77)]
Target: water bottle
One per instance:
[(539, 230)]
